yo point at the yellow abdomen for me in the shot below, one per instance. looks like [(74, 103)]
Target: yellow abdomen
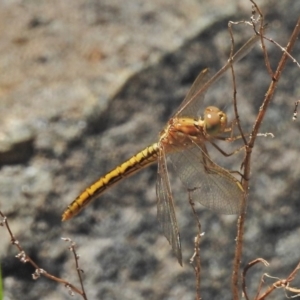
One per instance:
[(137, 162)]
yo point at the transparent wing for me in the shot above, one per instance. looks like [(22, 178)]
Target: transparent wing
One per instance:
[(190, 104), (208, 183), (192, 109), (165, 207)]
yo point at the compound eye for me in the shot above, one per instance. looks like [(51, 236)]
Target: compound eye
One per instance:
[(215, 120)]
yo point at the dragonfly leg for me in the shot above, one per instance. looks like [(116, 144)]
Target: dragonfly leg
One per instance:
[(205, 160), (231, 127), (236, 172), (227, 154)]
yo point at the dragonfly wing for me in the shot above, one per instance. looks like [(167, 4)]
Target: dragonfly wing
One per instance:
[(191, 109), (208, 183), (165, 207)]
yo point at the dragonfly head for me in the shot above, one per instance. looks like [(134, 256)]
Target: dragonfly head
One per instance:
[(215, 121)]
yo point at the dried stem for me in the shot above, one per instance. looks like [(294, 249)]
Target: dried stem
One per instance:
[(282, 283), (234, 86), (295, 114), (195, 259), (247, 161), (23, 257), (247, 267), (76, 258)]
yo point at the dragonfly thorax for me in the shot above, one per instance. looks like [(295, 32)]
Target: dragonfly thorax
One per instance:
[(181, 132), (184, 131)]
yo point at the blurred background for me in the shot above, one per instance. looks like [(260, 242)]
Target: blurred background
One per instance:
[(84, 85)]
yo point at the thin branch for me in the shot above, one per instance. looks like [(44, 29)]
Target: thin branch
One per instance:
[(247, 165), (234, 85), (272, 87), (295, 114), (195, 259), (76, 258), (24, 258), (246, 268), (261, 34), (282, 283)]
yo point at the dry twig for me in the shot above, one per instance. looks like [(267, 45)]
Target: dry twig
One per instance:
[(24, 258)]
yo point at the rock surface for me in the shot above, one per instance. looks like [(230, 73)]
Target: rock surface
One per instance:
[(86, 84)]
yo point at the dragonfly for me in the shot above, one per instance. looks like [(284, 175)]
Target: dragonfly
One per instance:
[(183, 140)]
